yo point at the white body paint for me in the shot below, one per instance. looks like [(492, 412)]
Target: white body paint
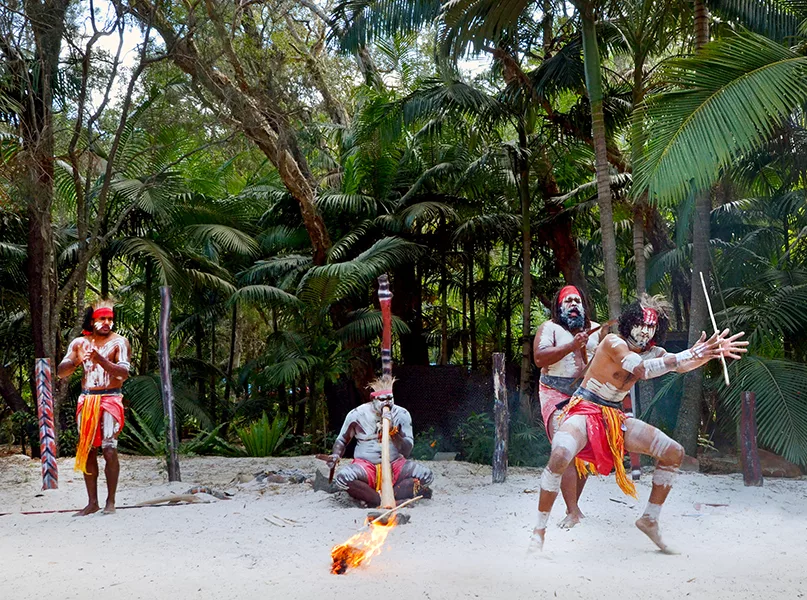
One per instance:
[(664, 477), (95, 377), (368, 424), (543, 519), (652, 511), (565, 440), (552, 335), (606, 391), (550, 481), (660, 444)]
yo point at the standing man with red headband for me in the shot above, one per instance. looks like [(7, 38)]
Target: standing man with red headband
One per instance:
[(561, 349), (104, 357)]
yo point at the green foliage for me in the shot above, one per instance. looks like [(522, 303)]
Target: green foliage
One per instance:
[(726, 101), (427, 444), (68, 441), (263, 438), (475, 438), (528, 445), (781, 400)]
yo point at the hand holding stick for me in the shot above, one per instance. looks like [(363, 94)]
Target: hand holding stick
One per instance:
[(714, 324)]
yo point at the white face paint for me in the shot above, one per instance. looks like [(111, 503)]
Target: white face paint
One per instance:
[(103, 326), (381, 401), (642, 334)]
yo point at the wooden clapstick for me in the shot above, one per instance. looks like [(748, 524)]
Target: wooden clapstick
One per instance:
[(387, 493)]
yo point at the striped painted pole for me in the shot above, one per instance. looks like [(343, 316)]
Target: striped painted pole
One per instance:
[(385, 299), (47, 437)]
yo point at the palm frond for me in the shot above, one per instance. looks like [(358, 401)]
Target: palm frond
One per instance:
[(778, 20), (781, 399), (365, 325), (731, 99)]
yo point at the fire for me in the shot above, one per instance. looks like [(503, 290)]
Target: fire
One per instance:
[(360, 548)]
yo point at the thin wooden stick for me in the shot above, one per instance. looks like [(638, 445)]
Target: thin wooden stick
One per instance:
[(392, 510), (714, 324)]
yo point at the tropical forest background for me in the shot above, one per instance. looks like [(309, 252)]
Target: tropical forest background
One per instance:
[(269, 159)]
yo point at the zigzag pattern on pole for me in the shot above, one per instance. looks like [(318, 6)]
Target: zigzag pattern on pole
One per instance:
[(47, 437)]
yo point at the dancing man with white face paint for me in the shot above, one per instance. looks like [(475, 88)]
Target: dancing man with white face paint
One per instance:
[(561, 349), (595, 429), (104, 358)]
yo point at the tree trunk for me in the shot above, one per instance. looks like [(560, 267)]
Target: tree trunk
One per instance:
[(10, 393), (525, 388), (36, 127), (443, 298), (472, 307), (591, 58), (231, 357), (198, 340), (638, 248), (465, 313), (689, 414), (147, 310), (508, 322), (265, 126)]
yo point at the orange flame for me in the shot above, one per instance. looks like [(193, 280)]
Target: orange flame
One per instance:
[(360, 548)]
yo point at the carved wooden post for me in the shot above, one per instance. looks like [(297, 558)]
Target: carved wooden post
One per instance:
[(501, 415), (172, 442), (749, 456), (47, 438)]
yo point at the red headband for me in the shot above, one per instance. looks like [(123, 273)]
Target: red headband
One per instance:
[(104, 311), (649, 316), (381, 393), (567, 291)]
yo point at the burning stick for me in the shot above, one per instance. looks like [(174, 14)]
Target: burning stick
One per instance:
[(363, 546), (714, 324)]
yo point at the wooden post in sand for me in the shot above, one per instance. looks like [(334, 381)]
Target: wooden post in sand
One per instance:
[(172, 441), (749, 455), (501, 415)]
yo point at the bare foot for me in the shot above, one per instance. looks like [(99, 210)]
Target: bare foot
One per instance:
[(109, 509), (88, 510), (571, 519), (650, 528), (536, 541)]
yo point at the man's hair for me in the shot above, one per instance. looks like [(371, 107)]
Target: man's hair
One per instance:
[(554, 310), (633, 315), (86, 324)]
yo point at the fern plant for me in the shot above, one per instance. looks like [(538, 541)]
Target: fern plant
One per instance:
[(263, 438)]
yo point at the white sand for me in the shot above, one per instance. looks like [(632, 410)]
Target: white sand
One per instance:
[(469, 541)]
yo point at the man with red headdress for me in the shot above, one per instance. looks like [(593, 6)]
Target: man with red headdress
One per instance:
[(104, 357), (561, 349), (595, 429)]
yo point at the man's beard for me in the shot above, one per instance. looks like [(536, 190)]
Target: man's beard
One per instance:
[(98, 329), (572, 322)]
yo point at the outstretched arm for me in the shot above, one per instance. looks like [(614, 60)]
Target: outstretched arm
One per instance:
[(699, 354)]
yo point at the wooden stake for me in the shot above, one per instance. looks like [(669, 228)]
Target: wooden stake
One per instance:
[(714, 324), (172, 441), (502, 418), (749, 454)]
